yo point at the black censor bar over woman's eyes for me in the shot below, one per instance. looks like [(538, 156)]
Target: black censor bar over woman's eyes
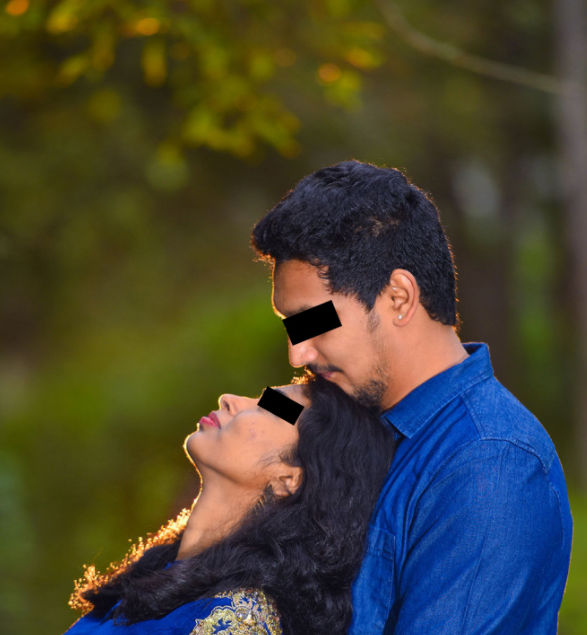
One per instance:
[(280, 405), (311, 322)]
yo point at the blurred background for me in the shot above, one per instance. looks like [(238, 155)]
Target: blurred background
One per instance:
[(139, 143)]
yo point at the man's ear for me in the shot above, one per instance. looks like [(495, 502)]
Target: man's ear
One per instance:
[(403, 294), (287, 480)]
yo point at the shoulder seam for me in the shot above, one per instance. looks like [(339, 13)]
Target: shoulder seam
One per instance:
[(513, 441)]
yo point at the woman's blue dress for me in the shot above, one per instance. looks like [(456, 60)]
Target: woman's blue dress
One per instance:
[(242, 612)]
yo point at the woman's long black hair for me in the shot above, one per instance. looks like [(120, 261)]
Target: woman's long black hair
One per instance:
[(303, 550)]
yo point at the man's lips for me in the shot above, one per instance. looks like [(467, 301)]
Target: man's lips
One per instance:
[(211, 420), (327, 374)]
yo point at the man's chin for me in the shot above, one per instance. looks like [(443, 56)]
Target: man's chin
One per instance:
[(371, 395)]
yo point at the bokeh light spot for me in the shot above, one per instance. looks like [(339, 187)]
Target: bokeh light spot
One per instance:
[(329, 73), (147, 26), (17, 7), (361, 58)]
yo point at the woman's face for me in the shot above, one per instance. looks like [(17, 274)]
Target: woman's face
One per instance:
[(244, 449)]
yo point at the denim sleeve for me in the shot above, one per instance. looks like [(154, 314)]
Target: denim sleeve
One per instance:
[(488, 547)]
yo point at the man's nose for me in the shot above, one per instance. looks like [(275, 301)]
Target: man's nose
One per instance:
[(301, 354)]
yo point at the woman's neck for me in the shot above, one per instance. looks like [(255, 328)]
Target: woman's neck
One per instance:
[(216, 512)]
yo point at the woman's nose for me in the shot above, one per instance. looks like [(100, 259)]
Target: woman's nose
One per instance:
[(233, 403), (225, 401)]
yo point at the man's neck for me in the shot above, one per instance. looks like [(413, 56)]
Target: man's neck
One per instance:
[(423, 358)]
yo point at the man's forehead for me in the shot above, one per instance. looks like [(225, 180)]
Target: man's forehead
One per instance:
[(297, 287), (287, 309)]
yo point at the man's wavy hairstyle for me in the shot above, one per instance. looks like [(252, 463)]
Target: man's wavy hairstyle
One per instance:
[(361, 222), (303, 550)]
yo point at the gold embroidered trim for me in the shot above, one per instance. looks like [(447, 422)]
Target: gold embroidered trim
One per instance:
[(250, 612)]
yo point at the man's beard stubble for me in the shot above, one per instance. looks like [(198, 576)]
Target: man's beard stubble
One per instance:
[(371, 394)]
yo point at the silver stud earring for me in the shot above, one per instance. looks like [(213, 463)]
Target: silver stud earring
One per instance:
[(399, 317)]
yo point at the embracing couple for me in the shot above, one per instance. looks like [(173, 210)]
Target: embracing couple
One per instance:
[(397, 487)]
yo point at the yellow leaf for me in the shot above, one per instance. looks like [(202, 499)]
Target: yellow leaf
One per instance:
[(154, 62), (147, 26), (103, 48), (214, 61), (362, 58), (199, 125), (72, 68), (63, 18), (338, 8), (261, 65)]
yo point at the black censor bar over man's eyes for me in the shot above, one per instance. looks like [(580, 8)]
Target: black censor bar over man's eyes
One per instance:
[(312, 322), (280, 405)]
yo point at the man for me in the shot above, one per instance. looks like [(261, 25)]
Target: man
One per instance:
[(472, 529)]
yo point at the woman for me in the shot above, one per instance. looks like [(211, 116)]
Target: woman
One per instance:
[(277, 534)]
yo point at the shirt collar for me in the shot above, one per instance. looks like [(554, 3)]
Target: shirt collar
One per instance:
[(410, 414)]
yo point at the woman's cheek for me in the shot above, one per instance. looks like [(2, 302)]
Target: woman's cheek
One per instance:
[(252, 435)]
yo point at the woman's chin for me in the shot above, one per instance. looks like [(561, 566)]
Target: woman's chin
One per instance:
[(190, 447)]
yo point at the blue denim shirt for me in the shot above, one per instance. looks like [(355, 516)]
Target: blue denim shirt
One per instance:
[(472, 529)]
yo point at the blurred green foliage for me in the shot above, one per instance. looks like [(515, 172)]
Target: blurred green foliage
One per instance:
[(217, 60), (573, 617), (139, 143)]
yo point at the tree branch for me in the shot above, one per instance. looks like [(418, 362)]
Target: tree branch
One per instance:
[(457, 57)]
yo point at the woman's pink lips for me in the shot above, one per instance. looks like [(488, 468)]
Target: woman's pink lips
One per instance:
[(210, 420)]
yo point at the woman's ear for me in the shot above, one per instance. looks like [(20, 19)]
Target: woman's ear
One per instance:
[(287, 480)]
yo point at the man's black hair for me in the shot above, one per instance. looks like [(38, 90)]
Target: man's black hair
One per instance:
[(361, 222)]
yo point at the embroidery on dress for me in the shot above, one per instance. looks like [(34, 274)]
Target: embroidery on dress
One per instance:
[(250, 612)]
